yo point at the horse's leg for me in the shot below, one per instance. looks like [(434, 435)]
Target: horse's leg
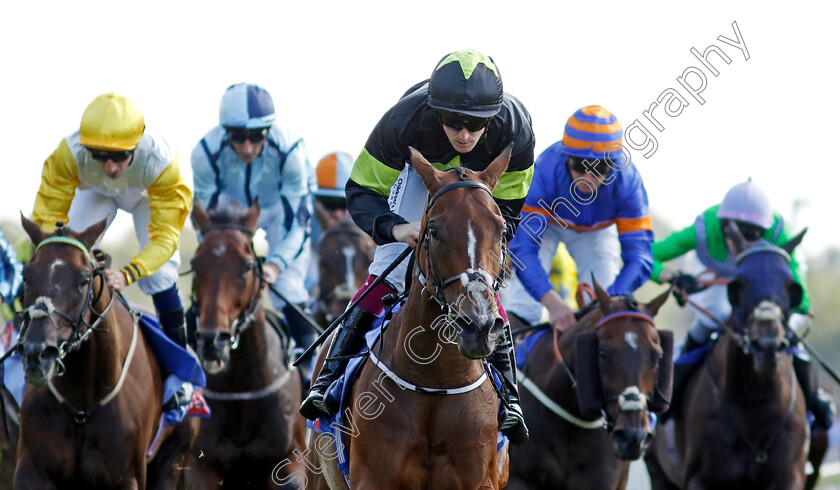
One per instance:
[(27, 476), (816, 453), (658, 479), (165, 470)]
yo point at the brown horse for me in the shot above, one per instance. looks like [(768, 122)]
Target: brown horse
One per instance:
[(93, 400), (9, 418), (344, 254), (587, 396), (252, 389), (742, 422), (434, 425)]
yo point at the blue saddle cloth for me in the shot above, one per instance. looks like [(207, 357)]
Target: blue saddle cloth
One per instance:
[(523, 350), (338, 395), (173, 358)]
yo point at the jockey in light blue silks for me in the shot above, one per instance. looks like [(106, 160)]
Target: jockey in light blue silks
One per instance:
[(249, 156)]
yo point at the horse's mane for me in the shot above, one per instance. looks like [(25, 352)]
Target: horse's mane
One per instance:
[(227, 212), (587, 317)]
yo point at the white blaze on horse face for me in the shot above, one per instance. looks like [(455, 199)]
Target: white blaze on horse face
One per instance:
[(631, 339), (768, 311), (56, 264), (471, 243), (219, 250)]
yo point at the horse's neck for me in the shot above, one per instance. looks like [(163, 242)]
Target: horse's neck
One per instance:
[(416, 351), (92, 371), (739, 376), (249, 363)]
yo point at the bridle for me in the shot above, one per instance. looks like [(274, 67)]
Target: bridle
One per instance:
[(82, 328), (432, 280), (247, 316)]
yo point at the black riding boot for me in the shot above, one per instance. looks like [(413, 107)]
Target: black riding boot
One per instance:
[(304, 335), (819, 404), (511, 420), (172, 324), (682, 373), (348, 340)]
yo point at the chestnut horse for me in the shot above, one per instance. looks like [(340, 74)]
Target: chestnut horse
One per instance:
[(252, 389), (434, 425), (742, 423), (93, 399), (344, 254), (587, 396)]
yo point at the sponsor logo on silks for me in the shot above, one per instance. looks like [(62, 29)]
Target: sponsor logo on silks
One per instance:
[(395, 192)]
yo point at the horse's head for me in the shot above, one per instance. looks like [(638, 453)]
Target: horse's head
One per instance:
[(344, 254), (763, 295), (227, 282), (58, 297), (461, 251), (623, 366)]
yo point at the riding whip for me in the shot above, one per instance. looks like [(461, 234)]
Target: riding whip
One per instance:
[(297, 309), (320, 340)]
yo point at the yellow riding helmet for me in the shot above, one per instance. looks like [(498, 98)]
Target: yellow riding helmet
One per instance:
[(112, 122)]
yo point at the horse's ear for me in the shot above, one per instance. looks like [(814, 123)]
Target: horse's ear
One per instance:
[(794, 242), (200, 218), (91, 234), (602, 295), (737, 291), (252, 216), (657, 302), (36, 234), (490, 176), (733, 234), (430, 175)]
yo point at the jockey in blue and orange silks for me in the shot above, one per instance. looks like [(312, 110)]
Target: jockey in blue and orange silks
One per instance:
[(588, 195)]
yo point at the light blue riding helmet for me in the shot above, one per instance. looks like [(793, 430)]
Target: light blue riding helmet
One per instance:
[(747, 202), (246, 105)]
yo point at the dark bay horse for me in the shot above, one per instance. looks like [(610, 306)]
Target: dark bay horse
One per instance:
[(587, 395), (742, 422), (93, 400), (344, 254), (252, 389), (434, 424)]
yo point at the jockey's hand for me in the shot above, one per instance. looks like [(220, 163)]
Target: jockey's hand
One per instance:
[(560, 315), (115, 279), (684, 284), (407, 233), (270, 272)]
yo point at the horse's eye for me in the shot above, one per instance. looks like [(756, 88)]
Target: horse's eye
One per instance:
[(655, 358), (433, 232), (85, 280)]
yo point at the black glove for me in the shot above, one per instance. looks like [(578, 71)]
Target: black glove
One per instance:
[(684, 284)]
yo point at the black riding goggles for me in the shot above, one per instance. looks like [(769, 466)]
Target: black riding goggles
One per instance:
[(598, 167), (239, 135), (750, 232), (105, 155), (456, 121)]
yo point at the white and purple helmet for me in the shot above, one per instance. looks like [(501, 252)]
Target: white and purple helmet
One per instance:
[(747, 202), (246, 105)]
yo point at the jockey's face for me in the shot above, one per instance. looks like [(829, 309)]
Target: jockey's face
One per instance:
[(247, 143), (115, 169), (463, 140), (592, 178), (247, 151)]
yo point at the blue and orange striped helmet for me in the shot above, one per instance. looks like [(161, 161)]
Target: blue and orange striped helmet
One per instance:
[(592, 131), (333, 171)]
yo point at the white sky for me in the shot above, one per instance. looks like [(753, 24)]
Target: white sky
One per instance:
[(333, 68)]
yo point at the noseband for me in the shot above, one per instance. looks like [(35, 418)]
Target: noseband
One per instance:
[(43, 306), (246, 318), (431, 280)]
